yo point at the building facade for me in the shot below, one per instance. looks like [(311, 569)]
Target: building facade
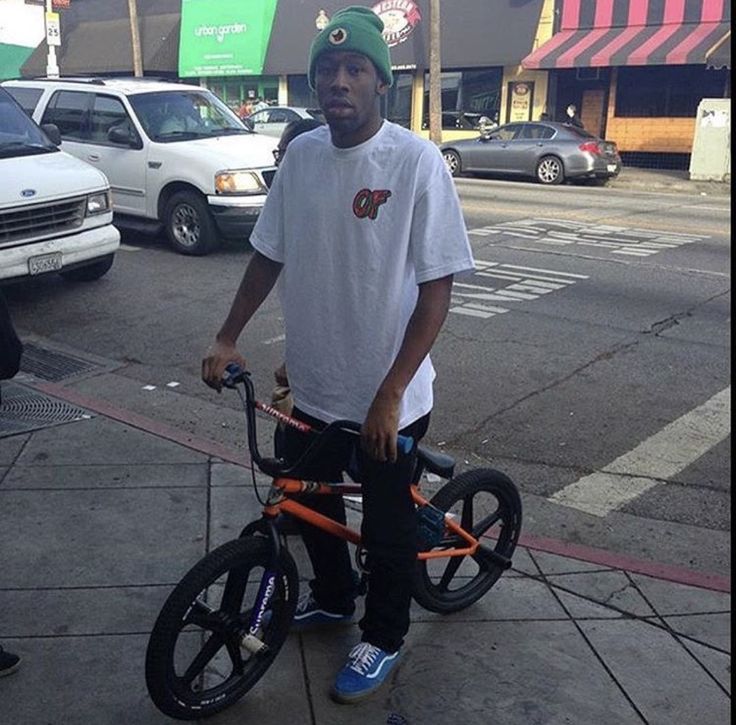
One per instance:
[(636, 69)]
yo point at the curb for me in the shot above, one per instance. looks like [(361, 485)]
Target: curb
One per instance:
[(678, 575)]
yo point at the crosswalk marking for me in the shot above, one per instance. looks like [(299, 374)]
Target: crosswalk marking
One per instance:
[(511, 284), (617, 239), (656, 459)]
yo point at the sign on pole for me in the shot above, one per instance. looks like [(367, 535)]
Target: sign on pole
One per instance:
[(53, 29)]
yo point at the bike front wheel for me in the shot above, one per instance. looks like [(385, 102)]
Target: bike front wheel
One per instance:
[(486, 504), (195, 665)]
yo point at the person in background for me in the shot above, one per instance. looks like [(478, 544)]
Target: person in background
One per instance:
[(364, 224), (11, 350), (572, 116)]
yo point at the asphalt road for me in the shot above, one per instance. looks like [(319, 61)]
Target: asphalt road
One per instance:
[(588, 357)]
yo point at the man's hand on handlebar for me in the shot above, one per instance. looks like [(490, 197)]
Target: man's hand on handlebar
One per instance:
[(216, 360)]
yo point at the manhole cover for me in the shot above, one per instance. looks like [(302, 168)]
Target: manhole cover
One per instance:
[(23, 410), (52, 365)]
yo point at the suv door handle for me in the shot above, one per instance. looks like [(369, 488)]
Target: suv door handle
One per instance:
[(93, 157)]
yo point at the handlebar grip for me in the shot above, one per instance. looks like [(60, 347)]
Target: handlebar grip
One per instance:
[(233, 374), (405, 443)]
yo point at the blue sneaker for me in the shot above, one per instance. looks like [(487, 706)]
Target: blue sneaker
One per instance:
[(309, 614), (367, 668)]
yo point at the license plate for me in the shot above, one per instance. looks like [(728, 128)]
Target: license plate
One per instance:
[(44, 263), (611, 168)]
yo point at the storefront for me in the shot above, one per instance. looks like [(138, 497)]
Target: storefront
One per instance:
[(261, 50), (637, 69)]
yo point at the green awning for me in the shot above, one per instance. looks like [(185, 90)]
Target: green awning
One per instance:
[(12, 58)]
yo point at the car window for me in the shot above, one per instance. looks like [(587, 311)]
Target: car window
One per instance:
[(26, 97), (19, 135), (279, 115), (259, 116), (506, 133), (536, 131), (69, 111), (106, 113)]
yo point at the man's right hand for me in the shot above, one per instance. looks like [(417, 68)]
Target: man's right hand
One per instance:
[(217, 358)]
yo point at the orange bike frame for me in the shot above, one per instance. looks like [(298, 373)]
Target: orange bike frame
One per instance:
[(287, 487)]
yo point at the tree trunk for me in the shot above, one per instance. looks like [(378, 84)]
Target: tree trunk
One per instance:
[(135, 39), (435, 71)]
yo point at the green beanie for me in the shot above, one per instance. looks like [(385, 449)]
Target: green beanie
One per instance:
[(358, 30)]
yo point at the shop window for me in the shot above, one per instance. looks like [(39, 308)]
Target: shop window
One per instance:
[(300, 94), (467, 95), (396, 104), (665, 91)]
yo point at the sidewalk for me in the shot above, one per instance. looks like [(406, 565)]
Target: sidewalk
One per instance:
[(101, 516), (667, 181)]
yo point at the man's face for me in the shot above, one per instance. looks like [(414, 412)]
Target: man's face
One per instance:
[(347, 86)]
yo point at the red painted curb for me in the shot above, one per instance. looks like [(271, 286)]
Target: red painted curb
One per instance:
[(679, 575)]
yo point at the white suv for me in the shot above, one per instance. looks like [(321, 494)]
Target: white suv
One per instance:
[(55, 213), (175, 154)]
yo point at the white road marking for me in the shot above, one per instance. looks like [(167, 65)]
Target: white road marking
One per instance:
[(659, 457), (128, 248), (272, 340)]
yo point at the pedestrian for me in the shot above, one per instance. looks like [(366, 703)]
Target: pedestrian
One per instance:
[(245, 109), (364, 224), (572, 116), (11, 350), (259, 104)]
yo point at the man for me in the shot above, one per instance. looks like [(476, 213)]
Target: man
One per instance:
[(572, 116), (364, 223)]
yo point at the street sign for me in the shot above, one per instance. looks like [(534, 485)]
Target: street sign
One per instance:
[(53, 30)]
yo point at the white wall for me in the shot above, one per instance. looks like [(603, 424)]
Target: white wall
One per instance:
[(21, 24)]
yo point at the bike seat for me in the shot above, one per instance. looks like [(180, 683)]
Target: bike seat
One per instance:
[(436, 462)]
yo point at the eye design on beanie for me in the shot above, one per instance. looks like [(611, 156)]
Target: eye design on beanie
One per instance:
[(338, 36)]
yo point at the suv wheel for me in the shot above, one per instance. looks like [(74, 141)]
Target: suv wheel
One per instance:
[(90, 272), (189, 224)]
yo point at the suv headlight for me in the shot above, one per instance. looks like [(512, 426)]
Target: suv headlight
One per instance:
[(98, 203), (238, 182)]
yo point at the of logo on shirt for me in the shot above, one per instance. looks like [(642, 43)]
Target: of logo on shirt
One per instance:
[(366, 202)]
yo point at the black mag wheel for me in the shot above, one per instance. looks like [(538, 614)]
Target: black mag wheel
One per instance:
[(487, 504), (195, 665)]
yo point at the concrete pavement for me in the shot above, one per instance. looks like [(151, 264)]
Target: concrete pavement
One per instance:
[(101, 516)]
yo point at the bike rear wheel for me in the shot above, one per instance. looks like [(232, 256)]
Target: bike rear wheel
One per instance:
[(485, 503), (195, 665)]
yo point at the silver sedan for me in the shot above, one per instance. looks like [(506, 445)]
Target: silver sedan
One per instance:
[(548, 151)]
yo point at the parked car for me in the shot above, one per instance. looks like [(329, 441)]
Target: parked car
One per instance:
[(175, 155), (548, 151), (55, 211), (272, 121)]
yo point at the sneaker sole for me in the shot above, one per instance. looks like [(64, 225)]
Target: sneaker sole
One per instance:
[(351, 699)]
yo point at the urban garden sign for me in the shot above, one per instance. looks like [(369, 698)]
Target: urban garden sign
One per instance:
[(229, 37)]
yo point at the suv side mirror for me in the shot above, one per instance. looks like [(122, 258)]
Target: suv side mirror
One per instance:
[(52, 131), (123, 137)]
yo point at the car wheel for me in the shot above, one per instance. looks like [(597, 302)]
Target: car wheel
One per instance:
[(189, 224), (90, 272), (452, 160), (550, 170)]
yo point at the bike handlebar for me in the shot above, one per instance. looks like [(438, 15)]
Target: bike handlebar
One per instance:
[(235, 375)]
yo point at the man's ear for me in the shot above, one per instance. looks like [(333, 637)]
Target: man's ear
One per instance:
[(381, 88)]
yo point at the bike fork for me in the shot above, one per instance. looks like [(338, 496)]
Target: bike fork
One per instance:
[(250, 640)]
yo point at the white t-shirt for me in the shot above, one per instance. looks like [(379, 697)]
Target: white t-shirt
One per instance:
[(357, 230)]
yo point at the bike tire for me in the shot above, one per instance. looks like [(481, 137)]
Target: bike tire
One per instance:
[(486, 503), (228, 579)]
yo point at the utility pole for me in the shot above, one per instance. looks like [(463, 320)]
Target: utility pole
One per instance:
[(135, 39), (435, 71), (52, 68)]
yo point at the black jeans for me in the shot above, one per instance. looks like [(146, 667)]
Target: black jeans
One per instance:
[(388, 533)]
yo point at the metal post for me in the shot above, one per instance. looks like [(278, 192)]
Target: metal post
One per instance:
[(435, 70), (52, 68), (135, 39)]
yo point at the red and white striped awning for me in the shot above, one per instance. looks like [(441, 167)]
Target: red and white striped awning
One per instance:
[(596, 33)]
